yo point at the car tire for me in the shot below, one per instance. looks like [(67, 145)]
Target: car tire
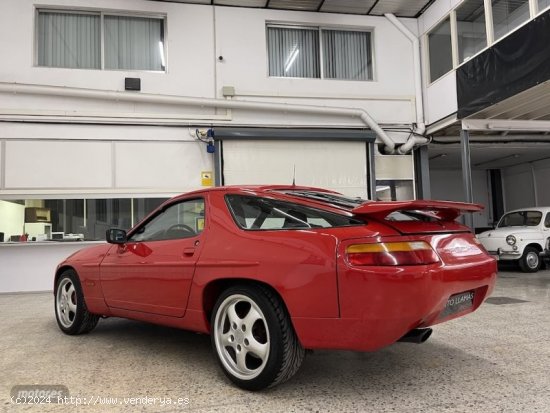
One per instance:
[(253, 338), (71, 312), (530, 260)]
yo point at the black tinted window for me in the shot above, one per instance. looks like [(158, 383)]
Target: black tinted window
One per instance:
[(257, 213)]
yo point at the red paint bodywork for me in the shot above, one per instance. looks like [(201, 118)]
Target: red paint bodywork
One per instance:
[(332, 304)]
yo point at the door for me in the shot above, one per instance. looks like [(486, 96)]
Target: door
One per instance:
[(153, 271)]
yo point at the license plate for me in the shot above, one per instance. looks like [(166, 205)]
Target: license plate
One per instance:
[(458, 303)]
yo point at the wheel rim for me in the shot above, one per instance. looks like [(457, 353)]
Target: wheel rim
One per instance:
[(66, 303), (242, 337), (532, 260)]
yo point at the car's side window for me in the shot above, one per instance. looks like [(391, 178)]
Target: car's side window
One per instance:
[(255, 213), (547, 220), (181, 220)]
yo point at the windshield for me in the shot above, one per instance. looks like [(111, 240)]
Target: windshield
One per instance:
[(521, 219)]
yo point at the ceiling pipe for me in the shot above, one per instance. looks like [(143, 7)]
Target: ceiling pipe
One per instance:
[(420, 129), (389, 144)]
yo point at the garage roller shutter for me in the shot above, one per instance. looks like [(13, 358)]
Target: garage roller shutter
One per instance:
[(336, 165)]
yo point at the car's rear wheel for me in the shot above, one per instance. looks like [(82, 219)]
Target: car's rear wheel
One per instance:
[(71, 312), (530, 260), (253, 338)]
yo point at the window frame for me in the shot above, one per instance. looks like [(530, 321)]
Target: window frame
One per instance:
[(534, 11), (319, 28), (101, 13), (161, 210)]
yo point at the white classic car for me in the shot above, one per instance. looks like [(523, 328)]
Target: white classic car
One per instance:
[(522, 235)]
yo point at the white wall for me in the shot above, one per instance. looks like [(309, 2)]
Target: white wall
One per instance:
[(447, 185), (196, 36), (31, 267), (440, 97), (521, 190), (189, 48), (12, 219), (69, 164)]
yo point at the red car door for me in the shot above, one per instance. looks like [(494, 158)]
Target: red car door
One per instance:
[(153, 271)]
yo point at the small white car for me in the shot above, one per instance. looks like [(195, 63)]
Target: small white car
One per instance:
[(522, 235)]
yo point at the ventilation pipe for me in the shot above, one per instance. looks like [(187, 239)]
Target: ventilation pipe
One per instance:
[(419, 104), (15, 88)]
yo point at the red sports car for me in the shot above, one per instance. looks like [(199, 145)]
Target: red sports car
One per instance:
[(269, 271)]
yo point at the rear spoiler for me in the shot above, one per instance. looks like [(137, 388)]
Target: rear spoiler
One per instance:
[(442, 210)]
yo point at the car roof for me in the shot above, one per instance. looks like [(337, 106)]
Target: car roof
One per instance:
[(255, 188), (540, 209)]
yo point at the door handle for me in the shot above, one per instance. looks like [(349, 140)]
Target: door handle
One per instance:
[(188, 251)]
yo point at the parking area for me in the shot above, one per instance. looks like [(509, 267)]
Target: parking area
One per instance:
[(495, 360)]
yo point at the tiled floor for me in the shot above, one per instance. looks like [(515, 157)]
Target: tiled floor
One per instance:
[(495, 360)]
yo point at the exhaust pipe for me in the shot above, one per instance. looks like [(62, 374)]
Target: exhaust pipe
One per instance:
[(418, 336)]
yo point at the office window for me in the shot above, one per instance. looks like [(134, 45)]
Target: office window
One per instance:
[(134, 43), (470, 27), (34, 220), (293, 52), (69, 40), (347, 55), (509, 14), (319, 53), (440, 50), (76, 40)]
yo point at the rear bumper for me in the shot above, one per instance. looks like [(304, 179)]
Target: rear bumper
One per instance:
[(378, 305)]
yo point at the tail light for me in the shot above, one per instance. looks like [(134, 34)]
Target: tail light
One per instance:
[(391, 253)]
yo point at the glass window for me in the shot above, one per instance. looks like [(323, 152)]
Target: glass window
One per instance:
[(296, 52), (470, 27), (134, 43), (440, 50), (543, 4), (521, 219), (509, 14), (70, 219), (256, 213), (73, 40), (70, 40), (293, 52), (347, 55), (547, 220), (394, 190), (181, 220)]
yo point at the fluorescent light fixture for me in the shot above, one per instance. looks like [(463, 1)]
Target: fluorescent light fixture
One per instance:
[(161, 49), (291, 58), (382, 188)]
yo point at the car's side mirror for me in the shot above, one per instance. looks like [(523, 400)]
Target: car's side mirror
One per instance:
[(116, 236)]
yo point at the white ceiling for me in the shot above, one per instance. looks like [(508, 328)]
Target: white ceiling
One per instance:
[(401, 8), (489, 155)]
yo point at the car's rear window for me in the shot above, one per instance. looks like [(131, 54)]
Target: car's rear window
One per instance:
[(257, 213), (330, 198)]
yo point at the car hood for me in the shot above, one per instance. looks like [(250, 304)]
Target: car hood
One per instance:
[(504, 232), (93, 254)]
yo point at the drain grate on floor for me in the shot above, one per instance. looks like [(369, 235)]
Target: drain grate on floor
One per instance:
[(504, 300)]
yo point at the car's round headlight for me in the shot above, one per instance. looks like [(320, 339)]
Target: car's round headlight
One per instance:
[(511, 240)]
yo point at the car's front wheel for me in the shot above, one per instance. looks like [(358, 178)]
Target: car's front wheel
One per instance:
[(253, 338), (530, 260), (71, 312)]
